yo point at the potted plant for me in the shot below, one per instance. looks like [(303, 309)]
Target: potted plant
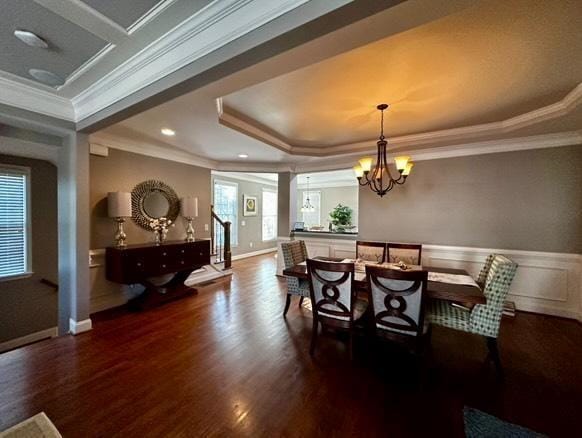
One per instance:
[(341, 217)]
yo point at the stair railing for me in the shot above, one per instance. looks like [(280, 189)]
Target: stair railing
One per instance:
[(220, 239)]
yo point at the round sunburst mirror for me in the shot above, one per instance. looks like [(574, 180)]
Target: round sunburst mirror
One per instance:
[(151, 200)]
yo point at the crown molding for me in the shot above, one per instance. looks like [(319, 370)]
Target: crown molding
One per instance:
[(463, 134), (212, 27), (100, 140), (36, 99), (571, 138), (29, 149), (242, 176), (329, 184)]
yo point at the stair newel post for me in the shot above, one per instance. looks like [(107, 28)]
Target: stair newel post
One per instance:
[(227, 253), (212, 242)]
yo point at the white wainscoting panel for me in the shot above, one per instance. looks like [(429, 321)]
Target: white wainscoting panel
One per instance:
[(547, 283)]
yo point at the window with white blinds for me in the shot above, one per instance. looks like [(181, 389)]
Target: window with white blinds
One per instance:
[(269, 215), (14, 222)]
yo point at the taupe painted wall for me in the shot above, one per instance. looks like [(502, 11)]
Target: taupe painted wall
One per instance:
[(26, 305), (121, 171), (527, 200), (252, 231), (330, 198)]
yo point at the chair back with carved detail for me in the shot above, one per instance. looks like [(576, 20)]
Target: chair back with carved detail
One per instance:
[(332, 291), (408, 253), (397, 299), (371, 251)]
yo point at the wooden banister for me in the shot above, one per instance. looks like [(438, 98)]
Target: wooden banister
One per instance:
[(221, 250)]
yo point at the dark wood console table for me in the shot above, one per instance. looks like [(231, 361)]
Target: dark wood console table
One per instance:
[(139, 263)]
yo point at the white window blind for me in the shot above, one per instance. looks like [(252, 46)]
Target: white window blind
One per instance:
[(226, 207), (269, 215), (312, 218), (14, 224)]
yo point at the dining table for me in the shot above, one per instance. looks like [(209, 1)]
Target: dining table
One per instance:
[(453, 291)]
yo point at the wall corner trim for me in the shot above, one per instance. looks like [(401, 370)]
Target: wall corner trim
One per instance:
[(76, 327)]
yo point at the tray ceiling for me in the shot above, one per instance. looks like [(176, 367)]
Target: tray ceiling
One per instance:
[(479, 66)]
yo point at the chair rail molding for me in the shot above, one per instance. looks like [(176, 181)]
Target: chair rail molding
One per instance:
[(546, 282)]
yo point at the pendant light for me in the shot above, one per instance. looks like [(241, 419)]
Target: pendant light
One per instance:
[(307, 206), (379, 178)]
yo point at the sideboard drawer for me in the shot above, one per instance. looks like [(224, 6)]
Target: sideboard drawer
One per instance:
[(134, 263)]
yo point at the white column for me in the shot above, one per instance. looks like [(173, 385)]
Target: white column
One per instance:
[(73, 198)]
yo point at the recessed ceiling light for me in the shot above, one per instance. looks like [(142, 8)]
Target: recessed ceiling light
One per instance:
[(169, 132), (30, 39), (243, 156), (46, 77)]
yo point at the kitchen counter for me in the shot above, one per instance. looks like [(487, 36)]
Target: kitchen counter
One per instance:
[(347, 235)]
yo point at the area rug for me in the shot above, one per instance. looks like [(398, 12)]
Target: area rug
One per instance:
[(38, 426), (481, 425)]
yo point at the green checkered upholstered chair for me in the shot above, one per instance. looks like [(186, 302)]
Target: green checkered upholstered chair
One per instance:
[(484, 319), (295, 252)]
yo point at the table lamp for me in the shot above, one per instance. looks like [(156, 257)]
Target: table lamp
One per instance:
[(119, 207), (189, 209)]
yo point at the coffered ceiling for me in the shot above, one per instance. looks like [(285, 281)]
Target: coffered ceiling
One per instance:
[(483, 76), (78, 34), (99, 52)]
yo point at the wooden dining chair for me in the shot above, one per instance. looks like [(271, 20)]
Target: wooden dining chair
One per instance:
[(294, 252), (333, 299), (408, 253), (371, 251), (483, 319), (397, 305)]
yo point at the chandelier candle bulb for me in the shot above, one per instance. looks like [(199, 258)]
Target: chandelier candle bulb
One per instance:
[(401, 162), (366, 164), (408, 168)]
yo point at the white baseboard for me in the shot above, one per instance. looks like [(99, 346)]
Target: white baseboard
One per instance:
[(29, 339), (254, 253), (76, 327)]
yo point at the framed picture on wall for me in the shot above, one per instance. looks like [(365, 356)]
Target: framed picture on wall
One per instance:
[(249, 205)]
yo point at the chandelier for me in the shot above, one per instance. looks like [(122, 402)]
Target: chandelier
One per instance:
[(379, 179), (307, 207)]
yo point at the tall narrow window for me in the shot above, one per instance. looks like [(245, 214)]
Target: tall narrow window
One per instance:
[(14, 222), (312, 218), (226, 207), (269, 215)]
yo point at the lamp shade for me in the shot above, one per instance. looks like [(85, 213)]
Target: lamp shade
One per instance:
[(189, 206), (119, 204)]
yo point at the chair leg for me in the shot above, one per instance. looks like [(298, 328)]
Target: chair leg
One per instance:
[(287, 304), (301, 301), (313, 336), (351, 344), (494, 354)]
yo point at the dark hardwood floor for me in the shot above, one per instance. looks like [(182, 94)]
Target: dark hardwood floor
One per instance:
[(225, 363)]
